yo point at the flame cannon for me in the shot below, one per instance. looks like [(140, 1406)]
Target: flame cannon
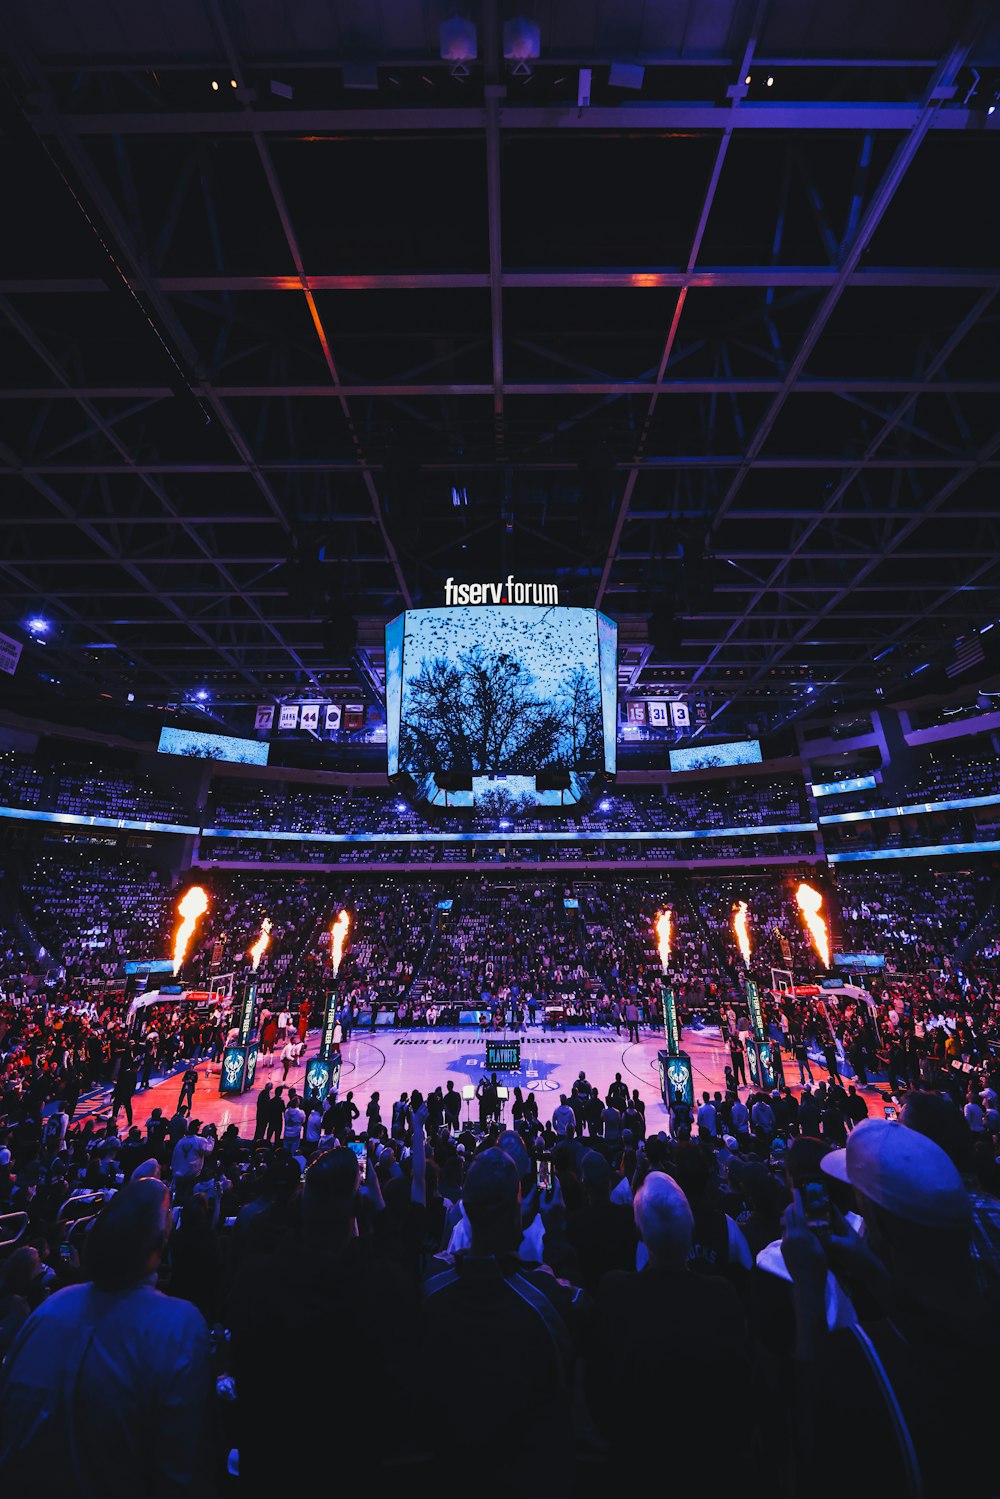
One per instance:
[(239, 1058), (764, 1063), (323, 1071), (676, 1075)]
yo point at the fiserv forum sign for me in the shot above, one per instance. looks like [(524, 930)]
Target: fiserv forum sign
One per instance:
[(507, 592)]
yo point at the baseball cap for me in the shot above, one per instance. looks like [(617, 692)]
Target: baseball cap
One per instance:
[(903, 1172)]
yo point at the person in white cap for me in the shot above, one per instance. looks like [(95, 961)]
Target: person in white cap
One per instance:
[(898, 1381)]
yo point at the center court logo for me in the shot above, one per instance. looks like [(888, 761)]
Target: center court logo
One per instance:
[(507, 592)]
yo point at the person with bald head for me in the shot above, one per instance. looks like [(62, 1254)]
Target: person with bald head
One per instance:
[(667, 1329), (107, 1387)]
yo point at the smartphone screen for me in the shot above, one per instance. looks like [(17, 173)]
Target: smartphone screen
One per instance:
[(544, 1171), (359, 1150), (891, 1113), (816, 1202)]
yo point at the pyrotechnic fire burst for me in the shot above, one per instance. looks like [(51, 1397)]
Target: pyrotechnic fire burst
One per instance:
[(260, 946), (810, 903), (338, 936), (189, 908), (741, 930), (664, 930)]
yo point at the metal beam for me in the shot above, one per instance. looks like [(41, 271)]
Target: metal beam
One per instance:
[(748, 386), (737, 92), (623, 119), (494, 93), (888, 426), (291, 239), (102, 425), (938, 91), (634, 278)]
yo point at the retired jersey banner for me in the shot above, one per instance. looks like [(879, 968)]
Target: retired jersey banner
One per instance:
[(289, 716), (659, 713), (681, 715), (636, 712), (309, 717), (354, 717), (333, 716), (10, 654), (264, 720)]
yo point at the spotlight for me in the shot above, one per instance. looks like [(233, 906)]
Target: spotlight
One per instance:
[(400, 806), (201, 695), (232, 83), (522, 43), (605, 806), (459, 44), (38, 626), (991, 109), (747, 78), (215, 86), (770, 83)]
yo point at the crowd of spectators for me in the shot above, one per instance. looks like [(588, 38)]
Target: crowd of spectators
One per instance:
[(681, 850), (917, 921), (89, 790), (815, 1259)]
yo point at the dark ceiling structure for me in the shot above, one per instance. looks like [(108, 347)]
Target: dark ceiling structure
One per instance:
[(694, 312)]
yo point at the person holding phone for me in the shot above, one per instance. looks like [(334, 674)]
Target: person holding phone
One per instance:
[(898, 1378)]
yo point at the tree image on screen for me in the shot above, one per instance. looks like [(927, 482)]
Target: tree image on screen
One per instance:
[(483, 712)]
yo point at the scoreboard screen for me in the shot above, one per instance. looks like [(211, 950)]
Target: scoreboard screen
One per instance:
[(503, 1056)]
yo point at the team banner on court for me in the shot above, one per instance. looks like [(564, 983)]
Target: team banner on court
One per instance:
[(10, 654), (264, 720)]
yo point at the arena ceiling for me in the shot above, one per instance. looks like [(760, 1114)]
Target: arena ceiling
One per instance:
[(298, 318)]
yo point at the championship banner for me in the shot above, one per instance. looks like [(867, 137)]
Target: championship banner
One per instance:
[(333, 717), (659, 713), (10, 654), (309, 717), (264, 720), (289, 716)]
